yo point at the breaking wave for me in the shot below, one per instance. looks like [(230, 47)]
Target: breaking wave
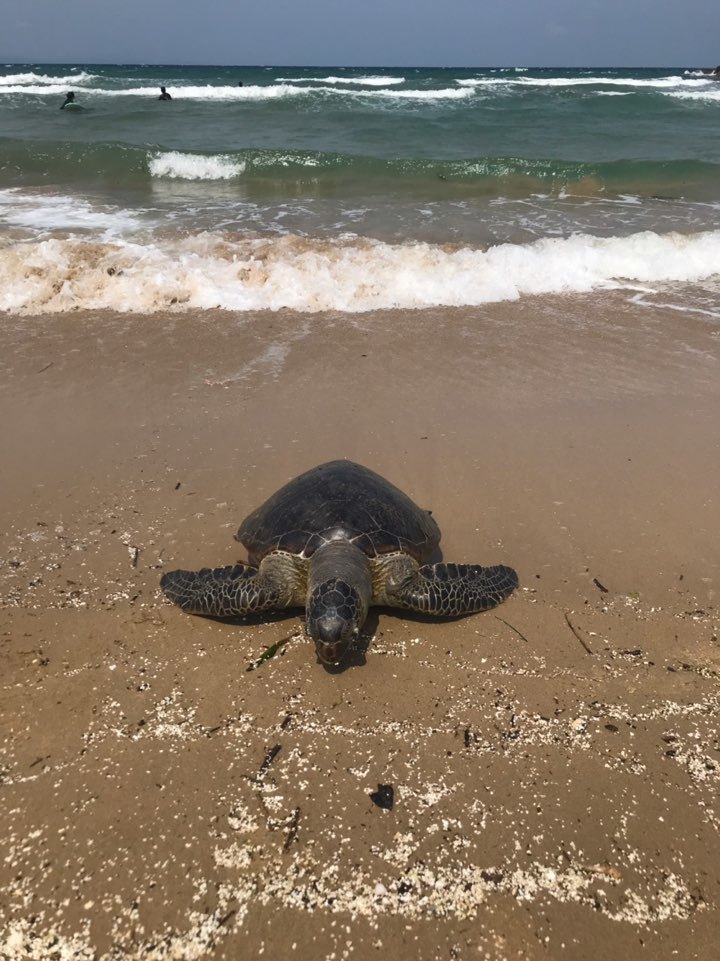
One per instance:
[(31, 163), (206, 271), (187, 166)]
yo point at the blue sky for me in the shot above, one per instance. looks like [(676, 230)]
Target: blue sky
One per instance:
[(371, 33)]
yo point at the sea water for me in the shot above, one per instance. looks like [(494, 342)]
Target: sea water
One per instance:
[(350, 189)]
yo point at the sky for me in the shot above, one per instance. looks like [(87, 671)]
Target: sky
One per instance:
[(521, 33)]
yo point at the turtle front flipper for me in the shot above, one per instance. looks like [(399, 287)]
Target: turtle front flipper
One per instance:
[(224, 591), (449, 590)]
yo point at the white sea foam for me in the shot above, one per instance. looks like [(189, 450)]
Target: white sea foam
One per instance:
[(364, 81), (209, 92), (710, 94), (49, 90), (21, 80), (483, 82), (449, 93), (210, 271), (657, 82), (660, 83), (185, 166), (42, 215), (205, 93), (213, 94)]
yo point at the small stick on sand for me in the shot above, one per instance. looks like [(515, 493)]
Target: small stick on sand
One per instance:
[(590, 652), (519, 634), (267, 761), (292, 829)]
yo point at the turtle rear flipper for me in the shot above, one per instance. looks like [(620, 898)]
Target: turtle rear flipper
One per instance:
[(449, 590), (223, 591)]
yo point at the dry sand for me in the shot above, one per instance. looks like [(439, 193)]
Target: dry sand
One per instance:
[(555, 762)]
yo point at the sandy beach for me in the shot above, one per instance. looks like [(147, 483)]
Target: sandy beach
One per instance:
[(555, 762)]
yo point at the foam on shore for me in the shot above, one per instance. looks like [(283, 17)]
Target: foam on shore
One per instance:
[(239, 273)]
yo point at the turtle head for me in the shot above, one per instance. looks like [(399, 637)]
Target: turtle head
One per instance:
[(334, 615), (339, 594)]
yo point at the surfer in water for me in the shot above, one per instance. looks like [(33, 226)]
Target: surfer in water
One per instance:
[(164, 95), (69, 99)]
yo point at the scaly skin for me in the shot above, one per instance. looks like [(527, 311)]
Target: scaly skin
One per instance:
[(337, 587), (237, 589), (444, 590), (339, 594)]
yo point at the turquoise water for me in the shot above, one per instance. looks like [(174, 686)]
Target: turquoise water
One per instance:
[(318, 163)]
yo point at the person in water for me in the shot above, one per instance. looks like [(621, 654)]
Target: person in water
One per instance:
[(69, 98), (164, 95)]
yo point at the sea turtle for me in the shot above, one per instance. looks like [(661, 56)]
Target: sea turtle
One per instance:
[(336, 540)]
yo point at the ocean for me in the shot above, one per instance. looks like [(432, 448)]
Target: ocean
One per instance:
[(352, 189)]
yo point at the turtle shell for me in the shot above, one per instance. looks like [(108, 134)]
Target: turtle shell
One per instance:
[(339, 501)]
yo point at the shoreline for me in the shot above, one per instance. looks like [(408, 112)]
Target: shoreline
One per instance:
[(555, 761)]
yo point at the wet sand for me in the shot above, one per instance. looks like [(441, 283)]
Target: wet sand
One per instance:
[(555, 762)]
